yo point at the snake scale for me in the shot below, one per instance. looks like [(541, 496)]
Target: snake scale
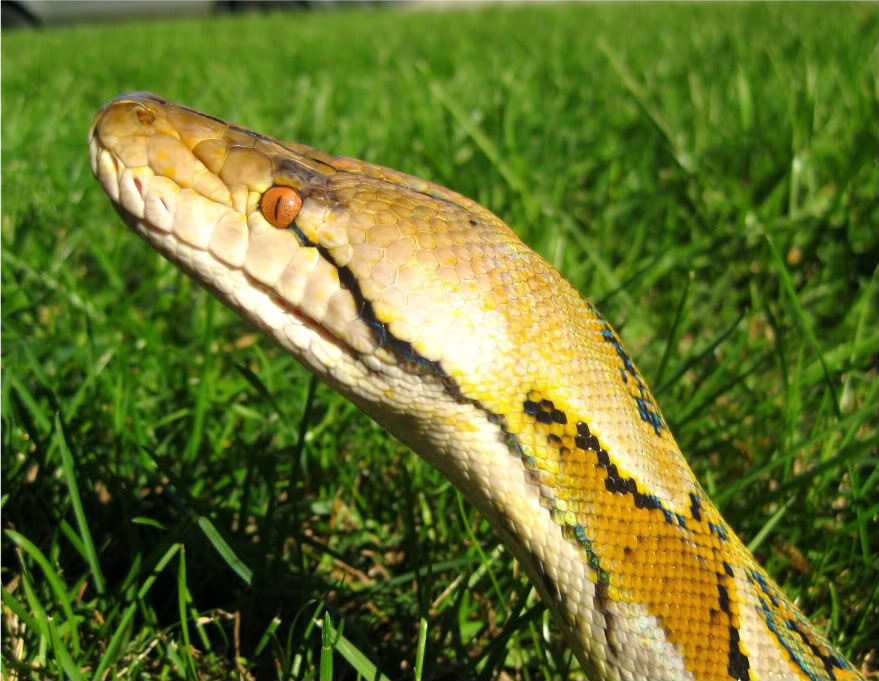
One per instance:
[(427, 311)]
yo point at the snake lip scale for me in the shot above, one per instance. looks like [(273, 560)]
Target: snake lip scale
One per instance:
[(427, 311)]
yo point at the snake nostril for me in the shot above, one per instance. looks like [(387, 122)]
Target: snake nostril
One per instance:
[(145, 117), (280, 205), (138, 185)]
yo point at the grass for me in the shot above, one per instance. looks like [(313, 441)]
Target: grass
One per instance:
[(180, 498)]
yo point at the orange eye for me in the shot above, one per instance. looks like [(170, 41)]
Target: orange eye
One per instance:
[(280, 205)]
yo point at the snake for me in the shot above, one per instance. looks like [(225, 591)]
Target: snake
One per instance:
[(428, 312)]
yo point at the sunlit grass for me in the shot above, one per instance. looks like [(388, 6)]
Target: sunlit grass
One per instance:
[(181, 500)]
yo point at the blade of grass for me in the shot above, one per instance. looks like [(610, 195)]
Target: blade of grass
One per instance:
[(183, 599), (420, 648), (18, 608), (334, 640), (121, 630), (54, 582), (205, 384), (765, 531), (787, 285), (71, 671), (326, 649), (701, 355), (513, 179), (675, 329), (85, 535), (483, 558), (225, 551)]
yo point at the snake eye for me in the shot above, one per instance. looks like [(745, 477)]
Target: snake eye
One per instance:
[(280, 205)]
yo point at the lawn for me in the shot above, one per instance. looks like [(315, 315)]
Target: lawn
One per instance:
[(181, 500)]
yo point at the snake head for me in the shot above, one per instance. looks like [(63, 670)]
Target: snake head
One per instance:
[(362, 272)]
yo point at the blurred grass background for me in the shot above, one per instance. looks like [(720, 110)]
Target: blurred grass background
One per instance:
[(181, 500)]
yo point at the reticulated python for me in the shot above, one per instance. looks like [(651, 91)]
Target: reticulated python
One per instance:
[(427, 311)]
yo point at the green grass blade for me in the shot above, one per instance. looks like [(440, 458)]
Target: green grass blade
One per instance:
[(328, 642), (183, 599), (205, 384), (421, 648), (18, 608), (225, 551), (333, 639), (122, 630), (797, 307), (55, 583), (85, 536)]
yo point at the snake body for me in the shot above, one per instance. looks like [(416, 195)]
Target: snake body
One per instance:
[(429, 313)]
